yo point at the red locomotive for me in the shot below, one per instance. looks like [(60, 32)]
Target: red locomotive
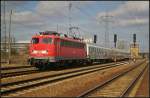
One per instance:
[(51, 47)]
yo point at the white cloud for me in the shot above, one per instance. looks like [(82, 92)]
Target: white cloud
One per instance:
[(129, 22), (58, 8), (44, 16), (16, 3), (130, 13), (46, 13), (27, 17), (52, 8)]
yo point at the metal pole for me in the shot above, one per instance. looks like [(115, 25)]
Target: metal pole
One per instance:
[(5, 36), (70, 30), (106, 33), (106, 19), (57, 28), (9, 41)]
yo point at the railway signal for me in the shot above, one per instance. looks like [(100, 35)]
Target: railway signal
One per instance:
[(115, 39), (95, 38), (134, 49)]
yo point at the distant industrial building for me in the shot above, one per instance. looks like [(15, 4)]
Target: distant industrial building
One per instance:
[(19, 46)]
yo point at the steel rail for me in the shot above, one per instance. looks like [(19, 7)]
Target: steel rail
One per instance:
[(14, 67), (59, 77), (89, 91), (17, 73), (124, 93), (57, 74)]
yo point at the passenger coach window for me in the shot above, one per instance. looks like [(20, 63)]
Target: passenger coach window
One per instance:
[(35, 40), (47, 40)]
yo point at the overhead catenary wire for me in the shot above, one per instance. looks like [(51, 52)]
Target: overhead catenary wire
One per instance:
[(86, 14), (23, 7), (82, 11)]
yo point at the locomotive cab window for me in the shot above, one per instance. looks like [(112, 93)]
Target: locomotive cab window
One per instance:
[(35, 40), (47, 40)]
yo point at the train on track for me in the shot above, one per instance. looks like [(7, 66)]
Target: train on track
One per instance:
[(52, 48)]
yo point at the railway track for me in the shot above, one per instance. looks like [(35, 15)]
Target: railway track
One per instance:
[(15, 67), (112, 88), (16, 71), (20, 70), (13, 87)]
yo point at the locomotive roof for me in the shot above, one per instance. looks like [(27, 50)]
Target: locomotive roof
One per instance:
[(61, 37), (71, 39)]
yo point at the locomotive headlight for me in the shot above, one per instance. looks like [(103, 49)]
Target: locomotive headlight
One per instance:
[(34, 51), (44, 51)]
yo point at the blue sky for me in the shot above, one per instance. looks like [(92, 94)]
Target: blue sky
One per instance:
[(129, 17)]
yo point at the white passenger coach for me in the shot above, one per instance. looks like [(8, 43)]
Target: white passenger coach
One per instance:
[(97, 53)]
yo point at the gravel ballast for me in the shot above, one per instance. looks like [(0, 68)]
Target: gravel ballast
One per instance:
[(74, 86)]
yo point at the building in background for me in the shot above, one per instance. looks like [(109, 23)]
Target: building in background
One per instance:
[(19, 47), (121, 44)]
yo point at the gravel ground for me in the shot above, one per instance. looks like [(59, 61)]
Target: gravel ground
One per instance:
[(143, 90), (114, 89), (74, 86), (41, 74), (13, 65)]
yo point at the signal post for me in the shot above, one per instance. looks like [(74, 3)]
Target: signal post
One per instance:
[(115, 41), (134, 49)]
